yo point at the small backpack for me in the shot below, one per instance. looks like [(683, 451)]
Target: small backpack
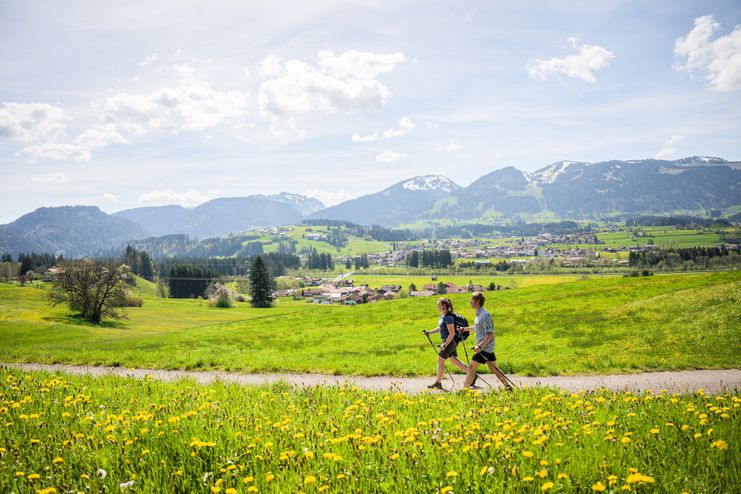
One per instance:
[(460, 322)]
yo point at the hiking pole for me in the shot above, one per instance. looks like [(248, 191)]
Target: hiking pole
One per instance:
[(435, 349)]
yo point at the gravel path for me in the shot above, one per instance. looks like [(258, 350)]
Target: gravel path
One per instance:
[(712, 381)]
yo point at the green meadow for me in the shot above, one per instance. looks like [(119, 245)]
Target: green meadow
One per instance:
[(544, 325), (114, 434)]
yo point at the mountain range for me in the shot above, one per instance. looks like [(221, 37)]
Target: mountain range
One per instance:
[(566, 189)]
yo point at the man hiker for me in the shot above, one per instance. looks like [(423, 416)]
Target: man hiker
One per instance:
[(448, 350), (484, 349)]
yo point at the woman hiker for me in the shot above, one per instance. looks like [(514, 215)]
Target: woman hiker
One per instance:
[(448, 350)]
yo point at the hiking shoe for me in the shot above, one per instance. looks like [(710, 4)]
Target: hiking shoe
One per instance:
[(435, 385), (475, 378)]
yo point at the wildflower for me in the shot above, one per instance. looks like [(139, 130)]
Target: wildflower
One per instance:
[(248, 479), (562, 476), (101, 474), (528, 479), (599, 487), (446, 489), (340, 476), (215, 489), (309, 455), (34, 476), (543, 473), (527, 454), (655, 430), (252, 488), (269, 477), (19, 474), (395, 456), (546, 486), (231, 490), (324, 488), (720, 444), (310, 479), (451, 473), (483, 470)]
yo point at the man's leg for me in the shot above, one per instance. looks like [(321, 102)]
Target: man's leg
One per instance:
[(471, 374), (492, 364)]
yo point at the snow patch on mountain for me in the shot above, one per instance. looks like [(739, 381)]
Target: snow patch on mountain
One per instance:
[(430, 182), (549, 174)]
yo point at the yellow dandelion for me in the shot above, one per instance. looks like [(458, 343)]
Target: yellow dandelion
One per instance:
[(215, 489), (252, 488), (655, 430), (451, 473), (269, 477), (720, 444), (34, 476), (248, 479), (528, 479), (231, 490), (324, 488), (546, 486), (310, 479), (528, 454), (340, 476), (599, 487), (483, 470), (395, 456), (446, 489)]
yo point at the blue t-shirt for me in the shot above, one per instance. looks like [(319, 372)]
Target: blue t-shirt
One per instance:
[(443, 322)]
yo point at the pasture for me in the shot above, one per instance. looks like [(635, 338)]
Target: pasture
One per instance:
[(563, 325)]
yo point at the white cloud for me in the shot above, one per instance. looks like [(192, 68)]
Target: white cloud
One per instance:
[(405, 126), (389, 156), (192, 106), (100, 137), (31, 121), (56, 151), (431, 125), (453, 145), (368, 138), (719, 59), (110, 198), (583, 65), (343, 83), (667, 151), (54, 178), (148, 60), (190, 197)]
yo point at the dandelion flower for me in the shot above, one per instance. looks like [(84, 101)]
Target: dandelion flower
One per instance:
[(543, 473), (720, 444), (34, 476), (483, 470), (451, 473), (269, 477), (231, 490), (546, 486), (599, 487), (310, 479), (562, 476), (446, 489), (252, 488)]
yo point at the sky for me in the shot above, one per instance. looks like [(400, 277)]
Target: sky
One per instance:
[(132, 104)]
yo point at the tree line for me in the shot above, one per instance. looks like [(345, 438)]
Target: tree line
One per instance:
[(432, 258), (678, 257)]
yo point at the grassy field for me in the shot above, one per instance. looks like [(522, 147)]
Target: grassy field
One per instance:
[(113, 434), (559, 325)]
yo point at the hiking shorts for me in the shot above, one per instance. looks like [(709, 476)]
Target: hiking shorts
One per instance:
[(450, 350), (483, 357)]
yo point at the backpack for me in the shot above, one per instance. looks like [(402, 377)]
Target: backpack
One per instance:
[(460, 322)]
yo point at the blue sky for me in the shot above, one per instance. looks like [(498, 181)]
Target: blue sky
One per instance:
[(129, 104)]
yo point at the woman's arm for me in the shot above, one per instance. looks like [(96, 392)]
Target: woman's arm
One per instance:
[(433, 331), (451, 335)]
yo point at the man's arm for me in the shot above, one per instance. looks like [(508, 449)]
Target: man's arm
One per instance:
[(487, 339)]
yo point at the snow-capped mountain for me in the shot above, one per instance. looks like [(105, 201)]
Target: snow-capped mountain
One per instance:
[(302, 204), (430, 182), (399, 203)]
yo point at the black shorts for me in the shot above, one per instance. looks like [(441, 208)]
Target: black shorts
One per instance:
[(450, 350), (483, 357)]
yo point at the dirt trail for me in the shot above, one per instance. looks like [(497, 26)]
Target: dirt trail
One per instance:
[(712, 381)]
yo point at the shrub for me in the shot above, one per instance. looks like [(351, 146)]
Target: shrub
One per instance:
[(221, 296)]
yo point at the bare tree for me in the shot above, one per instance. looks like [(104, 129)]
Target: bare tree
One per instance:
[(94, 289)]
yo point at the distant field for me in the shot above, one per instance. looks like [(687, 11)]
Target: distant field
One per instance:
[(420, 281), (545, 325), (662, 237)]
